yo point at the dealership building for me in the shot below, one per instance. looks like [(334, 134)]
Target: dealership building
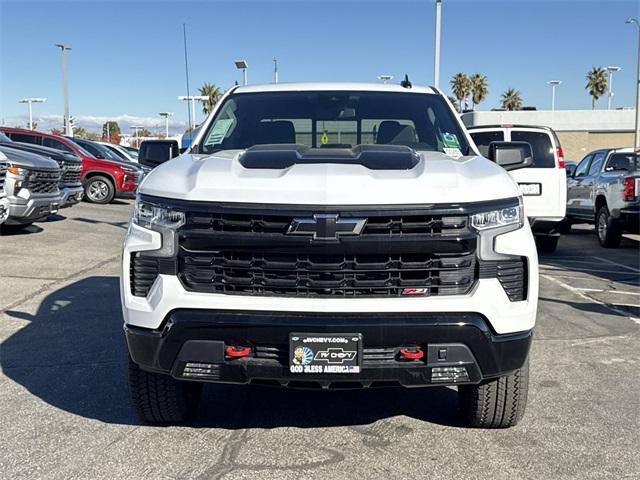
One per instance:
[(580, 131)]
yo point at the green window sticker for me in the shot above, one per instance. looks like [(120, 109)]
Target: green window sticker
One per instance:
[(450, 140)]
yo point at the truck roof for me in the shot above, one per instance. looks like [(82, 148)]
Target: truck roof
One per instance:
[(510, 125), (296, 87)]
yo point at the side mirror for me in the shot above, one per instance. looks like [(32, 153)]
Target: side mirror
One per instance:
[(570, 168), (155, 152), (511, 155)]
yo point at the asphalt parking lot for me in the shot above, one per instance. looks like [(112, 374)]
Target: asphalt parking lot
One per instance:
[(65, 410)]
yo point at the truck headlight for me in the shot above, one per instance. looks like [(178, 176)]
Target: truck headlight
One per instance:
[(503, 217), (17, 171), (162, 220)]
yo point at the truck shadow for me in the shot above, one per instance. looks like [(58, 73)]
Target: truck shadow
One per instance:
[(72, 355)]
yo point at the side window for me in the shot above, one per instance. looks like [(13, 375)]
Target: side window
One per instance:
[(583, 166), (596, 163), (25, 138), (483, 139), (57, 144), (543, 154)]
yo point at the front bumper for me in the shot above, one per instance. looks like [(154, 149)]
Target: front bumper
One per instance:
[(190, 337), (71, 195), (27, 208), (545, 225)]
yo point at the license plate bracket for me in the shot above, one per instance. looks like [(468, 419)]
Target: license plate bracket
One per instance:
[(325, 353)]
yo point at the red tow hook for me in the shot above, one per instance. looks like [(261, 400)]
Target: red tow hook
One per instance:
[(237, 351), (411, 353)]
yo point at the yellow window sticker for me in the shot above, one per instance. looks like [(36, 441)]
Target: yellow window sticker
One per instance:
[(324, 139)]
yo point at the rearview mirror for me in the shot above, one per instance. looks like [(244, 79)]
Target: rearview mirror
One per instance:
[(511, 155), (155, 152)]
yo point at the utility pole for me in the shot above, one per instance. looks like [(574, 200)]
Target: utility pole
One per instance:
[(30, 101), (244, 66), (436, 60), (193, 98), (637, 134), (67, 121), (275, 70)]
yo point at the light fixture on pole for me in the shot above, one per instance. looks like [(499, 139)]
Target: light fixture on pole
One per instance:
[(637, 135), (166, 116), (436, 59), (30, 101), (275, 70), (611, 70), (135, 133), (193, 98), (242, 65), (554, 84), (67, 120), (385, 78)]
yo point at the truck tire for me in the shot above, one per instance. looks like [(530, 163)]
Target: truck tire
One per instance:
[(160, 399), (498, 403), (608, 229), (99, 189), (547, 243)]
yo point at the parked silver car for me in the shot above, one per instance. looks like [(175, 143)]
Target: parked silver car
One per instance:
[(32, 186), (604, 189)]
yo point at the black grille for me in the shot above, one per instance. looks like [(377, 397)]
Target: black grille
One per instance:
[(143, 272), (3, 175), (43, 181), (389, 225), (511, 274), (71, 177), (326, 275)]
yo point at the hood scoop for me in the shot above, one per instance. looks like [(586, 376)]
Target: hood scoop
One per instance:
[(373, 157)]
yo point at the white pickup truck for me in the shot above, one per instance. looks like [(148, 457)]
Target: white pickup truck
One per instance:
[(332, 236)]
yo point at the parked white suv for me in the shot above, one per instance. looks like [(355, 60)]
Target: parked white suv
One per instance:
[(4, 201), (543, 184), (331, 236)]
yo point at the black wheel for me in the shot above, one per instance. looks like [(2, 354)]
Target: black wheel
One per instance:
[(546, 244), (499, 403), (608, 229), (160, 399), (565, 226), (99, 189)]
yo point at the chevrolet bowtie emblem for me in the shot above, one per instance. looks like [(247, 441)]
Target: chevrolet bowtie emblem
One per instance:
[(326, 227)]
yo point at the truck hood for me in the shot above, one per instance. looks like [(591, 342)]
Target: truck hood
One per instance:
[(437, 178), (25, 159)]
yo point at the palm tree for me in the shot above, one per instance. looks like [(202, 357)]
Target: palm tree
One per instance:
[(461, 87), (511, 99), (214, 94), (596, 84), (479, 89)]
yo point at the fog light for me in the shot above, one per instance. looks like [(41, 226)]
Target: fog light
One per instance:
[(449, 374), (201, 370)]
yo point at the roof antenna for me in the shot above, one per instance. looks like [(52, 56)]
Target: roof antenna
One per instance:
[(186, 69), (406, 83)]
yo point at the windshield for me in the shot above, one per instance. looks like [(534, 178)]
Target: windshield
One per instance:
[(340, 119)]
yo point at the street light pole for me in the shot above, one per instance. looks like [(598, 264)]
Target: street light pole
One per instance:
[(242, 65), (554, 84), (30, 101), (166, 116), (611, 71), (436, 60), (637, 134), (192, 99), (67, 121), (275, 70)]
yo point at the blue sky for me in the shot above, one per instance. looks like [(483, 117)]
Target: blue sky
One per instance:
[(127, 57)]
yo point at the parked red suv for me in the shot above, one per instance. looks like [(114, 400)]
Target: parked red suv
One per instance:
[(103, 180)]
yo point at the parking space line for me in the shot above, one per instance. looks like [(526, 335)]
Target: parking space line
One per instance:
[(618, 264), (590, 298), (600, 290), (545, 267)]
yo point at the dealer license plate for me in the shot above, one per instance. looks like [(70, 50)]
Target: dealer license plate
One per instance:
[(325, 353), (530, 188)]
